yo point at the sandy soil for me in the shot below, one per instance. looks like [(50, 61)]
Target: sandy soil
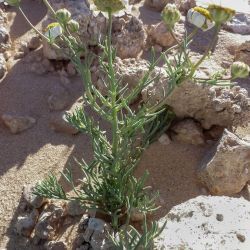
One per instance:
[(27, 157)]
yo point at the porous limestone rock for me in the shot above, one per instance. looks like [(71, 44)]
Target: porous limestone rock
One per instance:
[(243, 53), (3, 68), (18, 123), (188, 131), (32, 199), (129, 71), (25, 224), (130, 40), (209, 105), (159, 34), (239, 24), (207, 222), (156, 4), (225, 168)]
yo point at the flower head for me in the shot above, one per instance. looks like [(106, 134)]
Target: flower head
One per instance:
[(63, 16), (220, 14), (171, 15), (239, 70), (53, 31), (200, 17), (116, 7), (73, 26)]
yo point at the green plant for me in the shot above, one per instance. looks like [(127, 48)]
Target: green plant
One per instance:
[(110, 185)]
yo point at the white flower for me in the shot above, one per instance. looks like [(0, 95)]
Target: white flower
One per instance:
[(53, 31), (96, 11), (200, 18), (237, 5)]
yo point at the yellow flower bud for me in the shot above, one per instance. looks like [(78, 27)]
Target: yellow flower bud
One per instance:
[(63, 16), (14, 3), (73, 26), (171, 15), (220, 14), (239, 70), (110, 5)]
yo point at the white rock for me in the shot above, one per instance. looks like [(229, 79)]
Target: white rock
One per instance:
[(206, 223), (226, 169)]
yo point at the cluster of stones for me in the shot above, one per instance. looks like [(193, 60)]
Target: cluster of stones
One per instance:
[(42, 220)]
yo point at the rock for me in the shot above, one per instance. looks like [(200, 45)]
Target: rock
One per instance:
[(32, 199), (49, 221), (26, 224), (156, 4), (208, 105), (193, 224), (159, 34), (56, 245), (243, 53), (3, 68), (164, 139), (59, 123), (188, 131), (129, 70), (34, 43), (74, 208), (239, 24), (97, 234), (59, 100), (225, 169), (131, 39), (17, 123), (185, 5), (4, 35), (91, 28)]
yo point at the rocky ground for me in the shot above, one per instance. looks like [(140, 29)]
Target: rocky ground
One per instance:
[(36, 90)]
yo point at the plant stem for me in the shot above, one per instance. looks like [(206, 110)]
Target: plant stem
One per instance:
[(217, 30), (49, 7), (113, 89)]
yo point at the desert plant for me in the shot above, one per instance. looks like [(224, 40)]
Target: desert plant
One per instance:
[(110, 185)]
